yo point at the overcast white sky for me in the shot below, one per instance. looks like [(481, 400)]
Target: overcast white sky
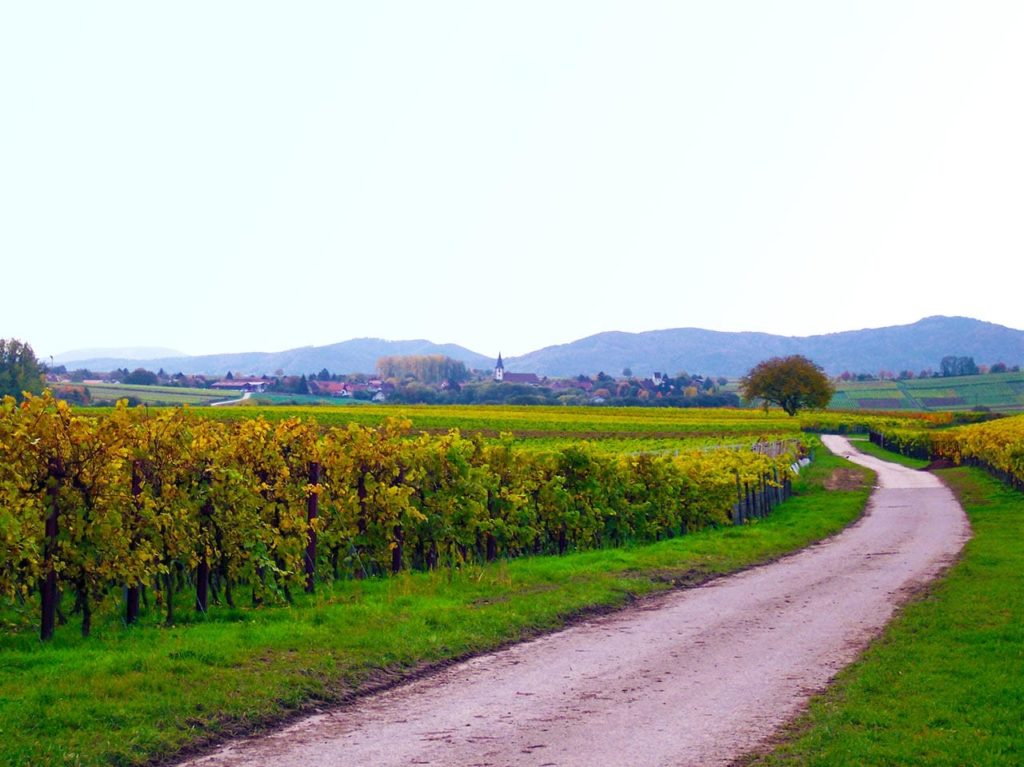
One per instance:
[(218, 177)]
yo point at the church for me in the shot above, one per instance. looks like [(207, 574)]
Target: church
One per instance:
[(500, 376)]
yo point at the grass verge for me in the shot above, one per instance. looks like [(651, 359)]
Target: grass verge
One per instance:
[(142, 694), (944, 685), (870, 448)]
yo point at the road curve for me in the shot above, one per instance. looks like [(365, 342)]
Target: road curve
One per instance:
[(694, 677)]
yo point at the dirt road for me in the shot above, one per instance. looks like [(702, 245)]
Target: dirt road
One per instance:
[(696, 677)]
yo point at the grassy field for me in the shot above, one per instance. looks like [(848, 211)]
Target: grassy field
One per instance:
[(130, 695), (157, 395), (1003, 392), (945, 683)]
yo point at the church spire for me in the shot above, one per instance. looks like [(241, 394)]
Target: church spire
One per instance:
[(499, 369)]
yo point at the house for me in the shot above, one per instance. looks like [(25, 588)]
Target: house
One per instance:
[(330, 388), (573, 383)]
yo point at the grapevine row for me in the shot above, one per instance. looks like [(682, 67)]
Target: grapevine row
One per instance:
[(997, 446), (145, 503)]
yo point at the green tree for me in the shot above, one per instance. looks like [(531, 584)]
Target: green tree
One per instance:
[(19, 369), (793, 383), (958, 366), (426, 368), (141, 377)]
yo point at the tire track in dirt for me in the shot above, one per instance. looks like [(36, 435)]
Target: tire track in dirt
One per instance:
[(694, 677)]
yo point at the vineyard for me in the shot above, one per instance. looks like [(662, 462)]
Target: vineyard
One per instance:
[(1002, 392), (997, 446), (233, 507)]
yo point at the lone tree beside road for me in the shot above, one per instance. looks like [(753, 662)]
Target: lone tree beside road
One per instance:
[(793, 383)]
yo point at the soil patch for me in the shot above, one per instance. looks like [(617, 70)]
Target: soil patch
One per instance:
[(845, 479)]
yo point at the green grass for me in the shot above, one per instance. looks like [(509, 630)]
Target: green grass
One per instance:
[(944, 685), (271, 399), (127, 696), (870, 448), (157, 395)]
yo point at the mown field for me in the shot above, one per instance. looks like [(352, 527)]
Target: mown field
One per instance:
[(157, 396)]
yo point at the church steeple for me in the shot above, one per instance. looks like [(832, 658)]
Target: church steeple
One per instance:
[(499, 369)]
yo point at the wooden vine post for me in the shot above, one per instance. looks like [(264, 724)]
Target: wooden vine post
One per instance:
[(203, 568), (48, 588), (132, 594), (312, 511)]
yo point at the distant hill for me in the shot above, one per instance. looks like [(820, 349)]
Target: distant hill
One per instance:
[(913, 347), (356, 356), (125, 353)]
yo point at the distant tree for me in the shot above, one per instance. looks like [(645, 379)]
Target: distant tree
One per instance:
[(140, 377), (76, 395), (323, 375), (229, 376), (999, 367), (627, 372), (19, 369), (425, 368), (414, 393), (793, 383), (958, 366)]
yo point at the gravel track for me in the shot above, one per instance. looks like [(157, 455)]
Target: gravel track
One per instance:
[(694, 677)]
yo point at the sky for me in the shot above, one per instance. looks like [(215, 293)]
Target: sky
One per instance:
[(228, 177)]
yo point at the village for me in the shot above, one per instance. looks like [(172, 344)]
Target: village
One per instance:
[(415, 380)]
